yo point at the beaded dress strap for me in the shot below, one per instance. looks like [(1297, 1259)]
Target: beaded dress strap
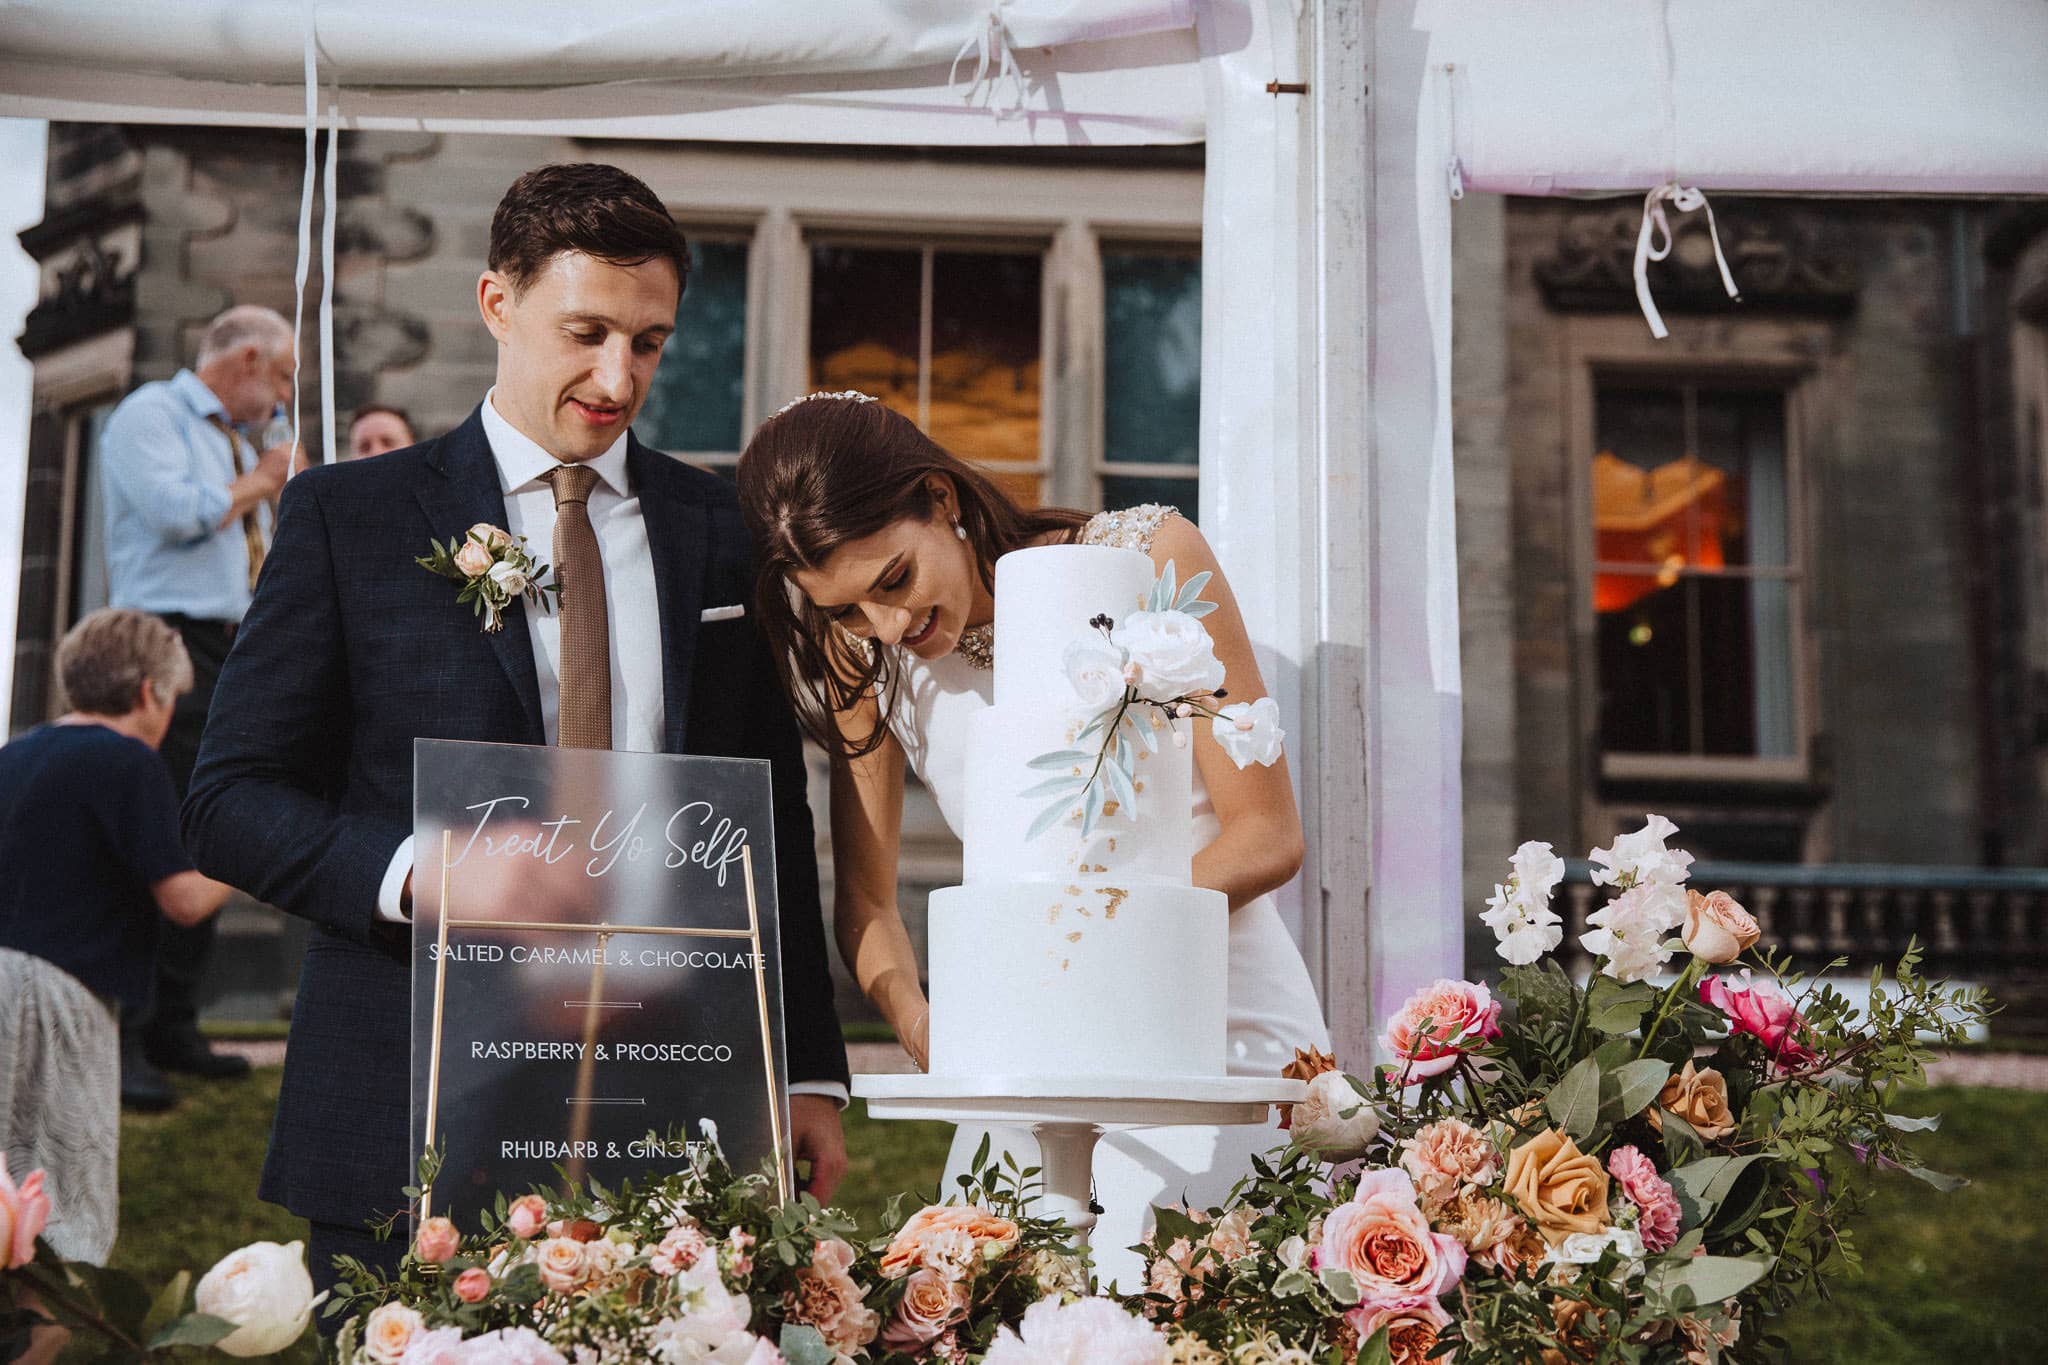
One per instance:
[(1133, 528)]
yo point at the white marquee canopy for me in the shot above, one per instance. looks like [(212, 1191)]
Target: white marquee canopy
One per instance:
[(1337, 132)]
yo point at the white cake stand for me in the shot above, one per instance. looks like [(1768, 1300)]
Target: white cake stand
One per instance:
[(1068, 1114)]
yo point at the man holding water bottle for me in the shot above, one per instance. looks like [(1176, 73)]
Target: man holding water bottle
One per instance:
[(189, 499)]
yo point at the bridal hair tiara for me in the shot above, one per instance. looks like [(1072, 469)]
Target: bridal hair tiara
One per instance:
[(855, 394)]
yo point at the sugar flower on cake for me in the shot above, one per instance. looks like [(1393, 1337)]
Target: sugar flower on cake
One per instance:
[(1524, 926), (1641, 857), (1095, 667), (24, 1213), (1083, 1332), (1437, 1025), (1168, 655), (1250, 732)]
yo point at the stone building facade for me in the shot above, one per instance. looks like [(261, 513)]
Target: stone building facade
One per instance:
[(1780, 577)]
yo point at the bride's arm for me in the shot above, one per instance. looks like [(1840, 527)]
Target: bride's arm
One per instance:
[(867, 829), (1260, 846)]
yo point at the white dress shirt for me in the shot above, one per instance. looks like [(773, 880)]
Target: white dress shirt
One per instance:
[(631, 605)]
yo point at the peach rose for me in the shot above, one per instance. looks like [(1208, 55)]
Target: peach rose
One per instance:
[(1435, 1026), (438, 1241), (473, 1285), (913, 1243), (1700, 1097), (1380, 1238), (24, 1213), (1412, 1325), (527, 1216), (1717, 929), (931, 1303), (563, 1264), (1559, 1189), (492, 537), (1446, 1156), (1491, 1233), (389, 1331), (473, 559)]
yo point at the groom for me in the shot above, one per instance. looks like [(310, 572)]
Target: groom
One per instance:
[(303, 791)]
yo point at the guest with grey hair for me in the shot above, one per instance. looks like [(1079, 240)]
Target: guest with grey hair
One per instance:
[(189, 502), (89, 838)]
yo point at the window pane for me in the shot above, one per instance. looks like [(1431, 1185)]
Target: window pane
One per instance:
[(1643, 489), (1741, 435), (1122, 490), (986, 310), (864, 311), (1152, 357), (694, 402)]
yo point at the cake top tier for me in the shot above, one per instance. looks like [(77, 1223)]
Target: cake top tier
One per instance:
[(1045, 597)]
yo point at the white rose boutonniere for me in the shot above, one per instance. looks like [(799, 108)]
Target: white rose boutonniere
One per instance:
[(495, 570)]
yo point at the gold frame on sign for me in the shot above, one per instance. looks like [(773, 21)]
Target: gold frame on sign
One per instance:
[(604, 932)]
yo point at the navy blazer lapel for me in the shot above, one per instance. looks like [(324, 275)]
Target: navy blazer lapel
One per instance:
[(460, 490), (678, 542)]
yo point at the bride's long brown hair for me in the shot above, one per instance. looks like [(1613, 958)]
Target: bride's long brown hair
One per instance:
[(832, 470)]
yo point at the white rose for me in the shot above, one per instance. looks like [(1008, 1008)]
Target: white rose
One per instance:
[(1096, 669), (1174, 654), (1584, 1248), (265, 1291), (1250, 732), (508, 577), (388, 1330), (1335, 1121)]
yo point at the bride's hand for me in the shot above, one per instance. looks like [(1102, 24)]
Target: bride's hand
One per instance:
[(917, 1040)]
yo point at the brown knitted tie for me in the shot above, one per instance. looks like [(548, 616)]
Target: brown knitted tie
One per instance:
[(252, 531), (584, 716)]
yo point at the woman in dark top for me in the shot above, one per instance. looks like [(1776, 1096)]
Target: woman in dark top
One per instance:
[(90, 866)]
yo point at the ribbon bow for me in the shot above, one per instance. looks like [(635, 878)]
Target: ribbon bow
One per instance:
[(995, 65), (1685, 199)]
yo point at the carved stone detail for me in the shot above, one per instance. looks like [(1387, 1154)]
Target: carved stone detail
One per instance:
[(1784, 259)]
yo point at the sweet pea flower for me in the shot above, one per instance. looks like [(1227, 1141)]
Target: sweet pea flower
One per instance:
[(1250, 732), (1641, 857)]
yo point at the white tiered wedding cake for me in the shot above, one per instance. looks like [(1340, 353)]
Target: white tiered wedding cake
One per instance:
[(1073, 954)]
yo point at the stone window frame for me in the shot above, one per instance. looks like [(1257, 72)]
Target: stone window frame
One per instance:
[(1766, 355)]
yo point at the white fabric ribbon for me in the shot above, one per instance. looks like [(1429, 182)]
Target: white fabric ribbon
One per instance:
[(995, 67), (1655, 225), (305, 260)]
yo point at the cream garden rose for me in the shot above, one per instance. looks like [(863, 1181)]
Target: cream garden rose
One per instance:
[(473, 559), (1717, 929), (1095, 668), (263, 1289), (1335, 1121), (1174, 654), (389, 1330)]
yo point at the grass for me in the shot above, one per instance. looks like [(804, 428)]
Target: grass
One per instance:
[(1945, 1277)]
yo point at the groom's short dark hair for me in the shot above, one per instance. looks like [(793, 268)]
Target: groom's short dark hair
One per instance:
[(582, 206)]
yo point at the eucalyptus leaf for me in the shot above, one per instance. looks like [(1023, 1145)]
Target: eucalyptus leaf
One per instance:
[(1702, 1185), (1612, 1007), (1061, 759), (803, 1344), (194, 1329), (1708, 1279), (1629, 1088), (1574, 1101), (1091, 808), (1048, 817), (1119, 780), (1052, 785)]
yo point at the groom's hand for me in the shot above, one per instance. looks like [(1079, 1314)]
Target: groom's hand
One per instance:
[(814, 1125)]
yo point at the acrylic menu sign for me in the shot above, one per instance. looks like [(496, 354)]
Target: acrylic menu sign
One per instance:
[(595, 966)]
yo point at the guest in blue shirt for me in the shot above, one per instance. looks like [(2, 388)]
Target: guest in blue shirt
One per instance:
[(188, 500), (89, 838)]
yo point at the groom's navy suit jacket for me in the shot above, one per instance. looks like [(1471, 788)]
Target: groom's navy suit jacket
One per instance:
[(303, 789)]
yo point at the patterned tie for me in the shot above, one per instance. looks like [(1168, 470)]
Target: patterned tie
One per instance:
[(252, 530), (584, 715)]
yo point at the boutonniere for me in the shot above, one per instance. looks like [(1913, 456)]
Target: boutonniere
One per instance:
[(495, 570)]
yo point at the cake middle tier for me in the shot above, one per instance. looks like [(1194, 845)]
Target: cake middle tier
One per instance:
[(1153, 844), (1032, 980)]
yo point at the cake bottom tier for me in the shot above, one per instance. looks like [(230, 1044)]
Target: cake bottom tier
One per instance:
[(1036, 978)]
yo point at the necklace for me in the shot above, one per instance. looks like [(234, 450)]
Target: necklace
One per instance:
[(978, 646)]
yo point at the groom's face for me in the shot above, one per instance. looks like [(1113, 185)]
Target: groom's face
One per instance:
[(577, 348)]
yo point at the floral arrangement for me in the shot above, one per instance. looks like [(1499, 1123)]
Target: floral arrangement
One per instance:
[(1626, 1169), (495, 570), (1614, 1171), (1159, 657)]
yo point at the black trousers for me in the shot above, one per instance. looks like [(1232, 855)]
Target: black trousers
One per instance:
[(183, 954), (325, 1241)]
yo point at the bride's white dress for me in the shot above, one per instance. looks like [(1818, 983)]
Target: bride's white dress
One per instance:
[(1272, 1002)]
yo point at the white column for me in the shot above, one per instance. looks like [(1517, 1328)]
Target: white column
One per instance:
[(22, 146)]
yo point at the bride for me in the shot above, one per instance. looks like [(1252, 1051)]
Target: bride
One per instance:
[(877, 557)]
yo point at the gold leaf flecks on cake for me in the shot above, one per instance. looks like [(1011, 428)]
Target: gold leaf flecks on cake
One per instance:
[(1065, 963), (1074, 937), (1110, 808), (1112, 897), (1052, 914), (1138, 786), (1073, 891)]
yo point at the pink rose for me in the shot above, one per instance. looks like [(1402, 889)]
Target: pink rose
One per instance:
[(1412, 1322), (931, 1303), (1761, 1010), (1444, 1157), (1717, 929), (527, 1216), (1381, 1239), (473, 559), (24, 1213), (437, 1242), (491, 536), (473, 1285), (933, 1225), (1437, 1024), (442, 1346), (678, 1250), (563, 1264), (1656, 1204)]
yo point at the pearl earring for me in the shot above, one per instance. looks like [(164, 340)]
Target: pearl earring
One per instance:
[(959, 531)]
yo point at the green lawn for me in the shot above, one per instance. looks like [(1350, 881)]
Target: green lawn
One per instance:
[(1946, 1277)]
